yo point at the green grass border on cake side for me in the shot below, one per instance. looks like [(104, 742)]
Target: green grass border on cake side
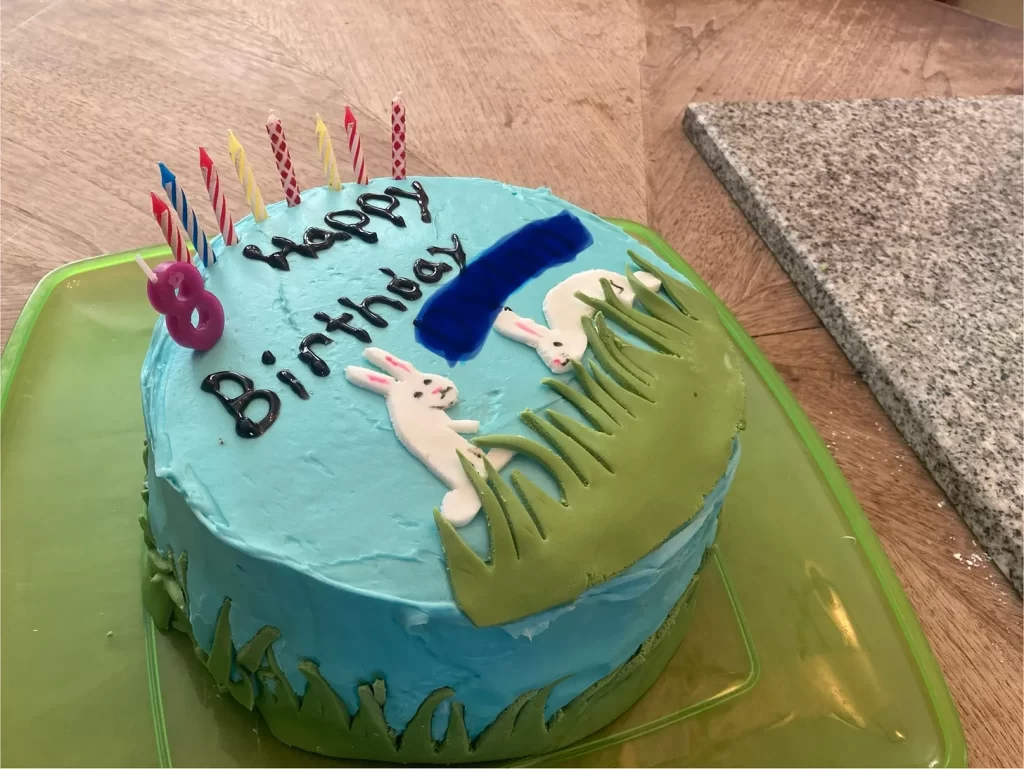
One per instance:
[(318, 720)]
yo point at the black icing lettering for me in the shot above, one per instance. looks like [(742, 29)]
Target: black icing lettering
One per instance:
[(277, 260), (363, 308), (358, 230), (341, 323), (268, 358), (314, 240), (244, 426), (316, 364), (391, 203), (455, 252), (430, 272), (418, 194), (289, 379), (286, 246), (403, 287), (318, 239)]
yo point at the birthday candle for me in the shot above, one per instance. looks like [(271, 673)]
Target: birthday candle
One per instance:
[(284, 160), (188, 218), (355, 148), (220, 204), (397, 137), (246, 178), (150, 275), (172, 233), (323, 141)]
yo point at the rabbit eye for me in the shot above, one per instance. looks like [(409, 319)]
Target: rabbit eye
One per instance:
[(557, 344), (427, 381), (417, 394)]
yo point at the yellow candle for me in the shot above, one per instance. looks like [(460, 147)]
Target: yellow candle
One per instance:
[(323, 140), (245, 177)]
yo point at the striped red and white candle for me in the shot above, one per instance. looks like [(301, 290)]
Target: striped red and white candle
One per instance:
[(284, 161), (169, 226), (220, 204), (186, 216), (397, 137), (355, 147)]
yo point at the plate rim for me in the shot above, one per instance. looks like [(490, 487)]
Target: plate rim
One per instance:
[(939, 695), (946, 714), (21, 332)]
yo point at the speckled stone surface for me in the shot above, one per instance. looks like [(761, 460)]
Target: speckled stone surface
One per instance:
[(901, 223)]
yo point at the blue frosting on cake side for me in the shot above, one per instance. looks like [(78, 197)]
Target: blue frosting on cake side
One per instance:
[(323, 526)]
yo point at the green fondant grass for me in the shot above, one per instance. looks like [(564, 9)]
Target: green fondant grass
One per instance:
[(662, 422), (319, 721)]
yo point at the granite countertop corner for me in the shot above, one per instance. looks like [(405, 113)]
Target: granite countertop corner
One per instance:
[(900, 221)]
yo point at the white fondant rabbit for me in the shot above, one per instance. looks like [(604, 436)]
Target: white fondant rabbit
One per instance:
[(416, 404), (563, 340)]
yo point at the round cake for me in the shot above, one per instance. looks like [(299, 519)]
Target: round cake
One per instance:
[(442, 489)]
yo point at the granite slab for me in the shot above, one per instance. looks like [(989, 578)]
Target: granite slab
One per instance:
[(900, 221)]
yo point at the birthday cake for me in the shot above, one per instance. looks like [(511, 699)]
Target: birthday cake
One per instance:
[(441, 489)]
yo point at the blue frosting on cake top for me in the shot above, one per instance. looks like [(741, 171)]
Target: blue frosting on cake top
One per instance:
[(330, 495), (328, 489)]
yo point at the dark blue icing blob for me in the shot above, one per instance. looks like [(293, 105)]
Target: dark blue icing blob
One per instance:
[(455, 321)]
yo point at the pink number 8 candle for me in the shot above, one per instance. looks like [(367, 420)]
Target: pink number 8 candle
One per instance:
[(176, 291)]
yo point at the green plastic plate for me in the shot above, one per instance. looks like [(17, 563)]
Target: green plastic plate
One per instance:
[(803, 651)]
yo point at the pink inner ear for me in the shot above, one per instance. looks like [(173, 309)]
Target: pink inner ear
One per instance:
[(527, 329), (397, 363), (378, 379)]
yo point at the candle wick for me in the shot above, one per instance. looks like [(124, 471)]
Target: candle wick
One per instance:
[(145, 268)]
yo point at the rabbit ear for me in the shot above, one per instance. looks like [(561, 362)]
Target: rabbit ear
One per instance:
[(395, 366), (369, 380), (520, 329)]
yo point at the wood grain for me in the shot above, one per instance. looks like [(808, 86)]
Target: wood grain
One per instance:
[(584, 97), (766, 51)]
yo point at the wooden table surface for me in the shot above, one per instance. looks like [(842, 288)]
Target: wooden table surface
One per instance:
[(585, 97)]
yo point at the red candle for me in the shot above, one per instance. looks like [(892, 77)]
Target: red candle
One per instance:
[(397, 137), (220, 204), (284, 161), (355, 147), (172, 232)]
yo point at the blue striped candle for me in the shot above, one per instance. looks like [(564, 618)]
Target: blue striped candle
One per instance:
[(188, 219)]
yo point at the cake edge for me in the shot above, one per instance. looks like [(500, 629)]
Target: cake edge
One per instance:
[(318, 721)]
